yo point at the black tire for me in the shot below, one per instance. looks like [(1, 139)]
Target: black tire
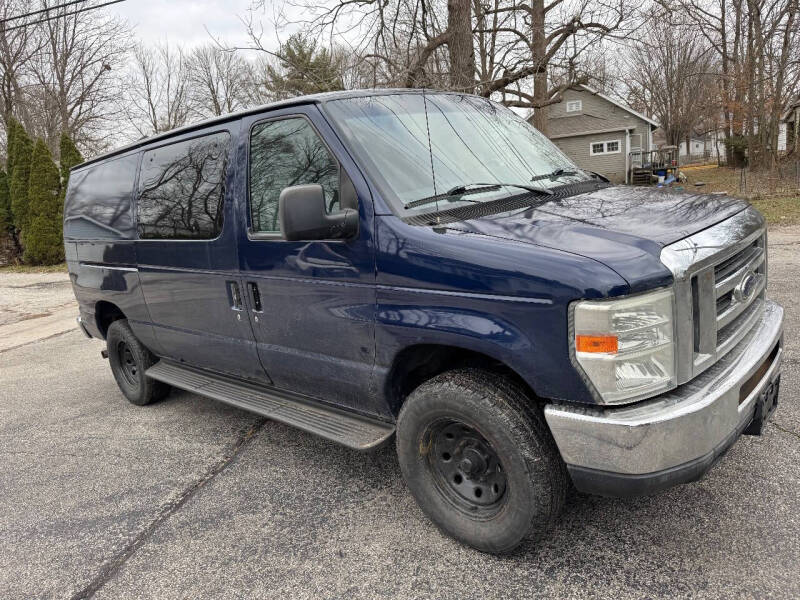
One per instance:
[(520, 499), (129, 360)]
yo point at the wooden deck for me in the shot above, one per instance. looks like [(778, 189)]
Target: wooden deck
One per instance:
[(644, 164)]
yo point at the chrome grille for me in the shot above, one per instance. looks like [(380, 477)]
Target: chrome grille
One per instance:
[(720, 281), (728, 275), (728, 335), (753, 253)]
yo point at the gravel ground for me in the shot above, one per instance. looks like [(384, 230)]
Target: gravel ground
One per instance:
[(34, 306), (25, 296), (190, 498)]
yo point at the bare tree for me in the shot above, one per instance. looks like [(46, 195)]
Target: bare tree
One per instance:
[(460, 45), (158, 90), (17, 48), (548, 38), (217, 80), (520, 43), (757, 43), (779, 74), (670, 74), (398, 42), (75, 77)]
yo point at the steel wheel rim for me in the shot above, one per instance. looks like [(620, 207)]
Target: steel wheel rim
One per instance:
[(466, 468), (127, 364)]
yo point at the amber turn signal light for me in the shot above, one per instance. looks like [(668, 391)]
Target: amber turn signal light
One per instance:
[(596, 343)]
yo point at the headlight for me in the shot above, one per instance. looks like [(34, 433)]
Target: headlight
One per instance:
[(626, 347)]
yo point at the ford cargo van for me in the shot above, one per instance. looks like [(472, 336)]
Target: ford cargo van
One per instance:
[(427, 267)]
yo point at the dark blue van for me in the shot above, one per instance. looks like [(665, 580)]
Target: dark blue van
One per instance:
[(428, 266)]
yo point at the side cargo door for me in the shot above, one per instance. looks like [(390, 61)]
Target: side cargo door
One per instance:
[(187, 252), (312, 303)]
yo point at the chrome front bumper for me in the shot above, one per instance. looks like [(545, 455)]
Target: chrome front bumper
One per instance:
[(675, 437)]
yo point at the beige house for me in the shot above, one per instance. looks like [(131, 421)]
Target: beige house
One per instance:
[(600, 134), (791, 120)]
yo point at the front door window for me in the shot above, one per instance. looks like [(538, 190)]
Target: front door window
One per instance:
[(284, 153)]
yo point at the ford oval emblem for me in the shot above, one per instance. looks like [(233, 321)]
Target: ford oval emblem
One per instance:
[(746, 288)]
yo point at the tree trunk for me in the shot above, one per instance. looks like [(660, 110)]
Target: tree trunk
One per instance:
[(460, 47), (539, 43)]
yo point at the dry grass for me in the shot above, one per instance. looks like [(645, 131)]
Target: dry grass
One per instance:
[(778, 197), (59, 268)]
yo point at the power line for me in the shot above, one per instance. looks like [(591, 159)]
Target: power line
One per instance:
[(36, 12), (66, 14)]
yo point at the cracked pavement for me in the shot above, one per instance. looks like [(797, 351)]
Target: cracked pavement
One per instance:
[(191, 498)]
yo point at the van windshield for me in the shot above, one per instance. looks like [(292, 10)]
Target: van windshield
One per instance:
[(479, 150)]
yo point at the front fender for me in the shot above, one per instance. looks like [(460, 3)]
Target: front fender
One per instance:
[(497, 327), (503, 298)]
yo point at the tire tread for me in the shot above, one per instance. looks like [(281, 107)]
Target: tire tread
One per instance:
[(518, 413), (149, 390)]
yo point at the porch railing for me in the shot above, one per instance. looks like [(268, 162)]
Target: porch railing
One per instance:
[(652, 160)]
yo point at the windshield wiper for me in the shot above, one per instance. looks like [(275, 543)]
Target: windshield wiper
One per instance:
[(475, 188), (554, 175)]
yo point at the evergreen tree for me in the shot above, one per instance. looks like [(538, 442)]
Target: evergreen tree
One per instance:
[(304, 69), (43, 236), (6, 219), (7, 225), (70, 156), (20, 174), (11, 136)]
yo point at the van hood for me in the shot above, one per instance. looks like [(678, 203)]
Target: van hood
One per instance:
[(624, 228)]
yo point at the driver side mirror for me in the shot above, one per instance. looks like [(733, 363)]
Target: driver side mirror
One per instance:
[(302, 214)]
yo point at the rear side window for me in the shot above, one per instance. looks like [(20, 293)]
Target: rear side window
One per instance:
[(181, 189), (98, 200)]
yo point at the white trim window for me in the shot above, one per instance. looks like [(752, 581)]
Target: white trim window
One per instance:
[(574, 105), (606, 147)]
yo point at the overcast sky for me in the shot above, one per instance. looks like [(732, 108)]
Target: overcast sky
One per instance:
[(184, 21)]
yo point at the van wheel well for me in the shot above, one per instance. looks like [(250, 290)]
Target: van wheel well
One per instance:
[(105, 313), (416, 364)]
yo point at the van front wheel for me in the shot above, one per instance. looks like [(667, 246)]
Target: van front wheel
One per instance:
[(479, 459), (129, 360)]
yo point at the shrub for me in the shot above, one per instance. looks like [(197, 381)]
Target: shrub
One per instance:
[(43, 236), (19, 174), (69, 158), (736, 151)]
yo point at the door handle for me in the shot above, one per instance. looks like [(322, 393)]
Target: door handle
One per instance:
[(235, 296), (255, 296)]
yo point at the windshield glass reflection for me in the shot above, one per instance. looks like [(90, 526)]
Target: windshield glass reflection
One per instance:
[(473, 142)]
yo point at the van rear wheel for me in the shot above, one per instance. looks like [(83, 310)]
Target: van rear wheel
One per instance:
[(479, 459), (129, 360)]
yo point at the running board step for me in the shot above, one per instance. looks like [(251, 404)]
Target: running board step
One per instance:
[(344, 427)]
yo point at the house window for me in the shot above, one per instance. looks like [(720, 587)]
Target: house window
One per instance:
[(574, 106), (609, 147)]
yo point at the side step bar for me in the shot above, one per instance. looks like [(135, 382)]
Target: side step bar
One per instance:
[(346, 428)]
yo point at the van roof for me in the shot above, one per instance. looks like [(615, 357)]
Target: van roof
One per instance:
[(299, 100)]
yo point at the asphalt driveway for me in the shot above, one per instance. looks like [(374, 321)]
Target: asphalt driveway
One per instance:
[(189, 498)]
